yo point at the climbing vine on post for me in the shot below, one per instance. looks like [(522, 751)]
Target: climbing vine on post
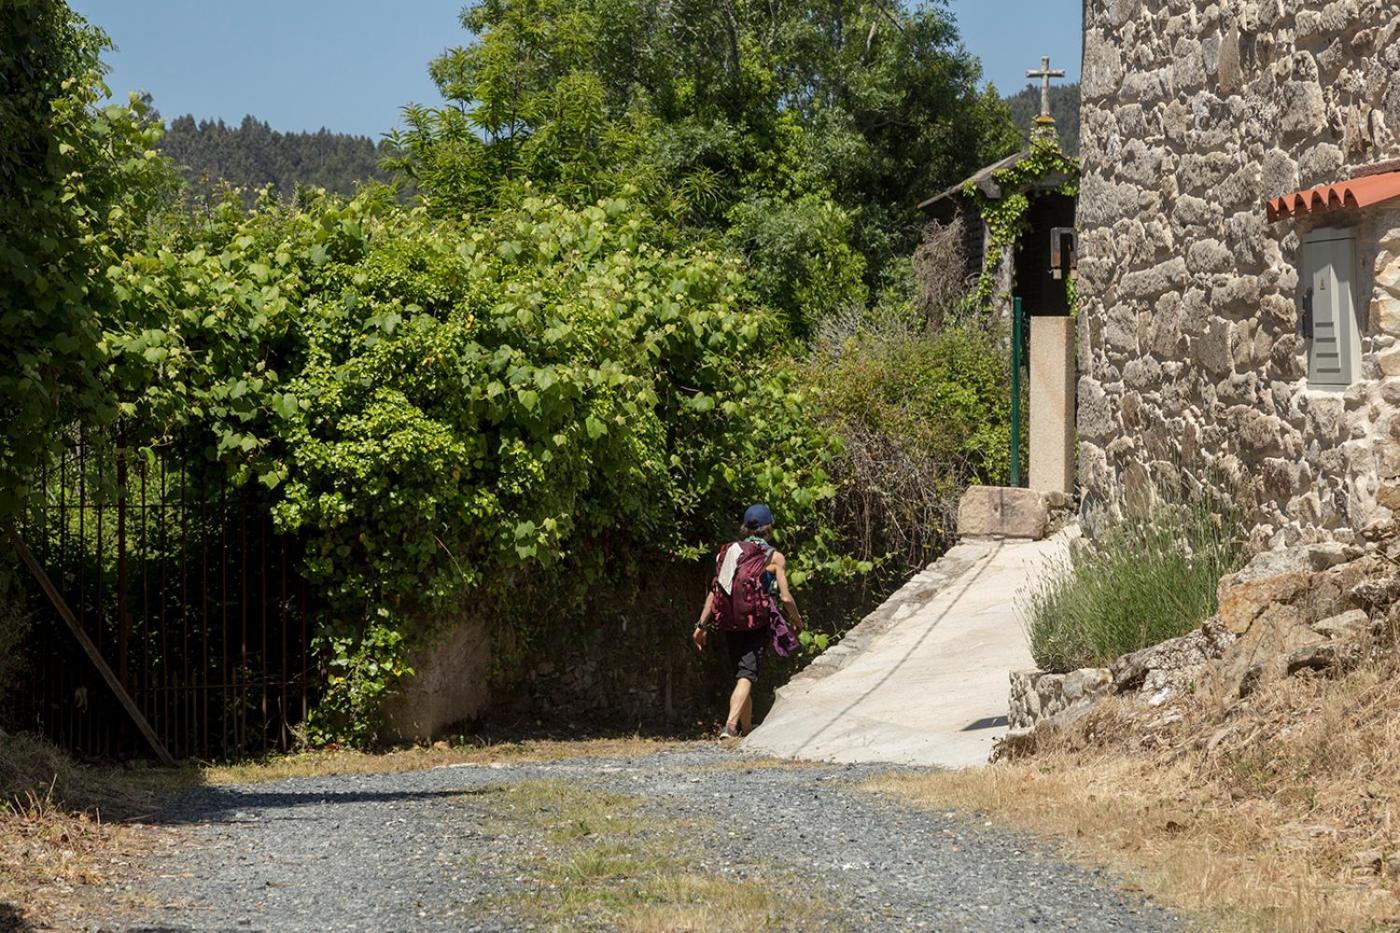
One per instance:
[(1006, 216)]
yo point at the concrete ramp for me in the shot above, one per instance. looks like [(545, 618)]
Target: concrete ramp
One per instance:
[(924, 679)]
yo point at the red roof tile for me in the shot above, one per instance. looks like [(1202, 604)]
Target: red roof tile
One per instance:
[(1359, 192)]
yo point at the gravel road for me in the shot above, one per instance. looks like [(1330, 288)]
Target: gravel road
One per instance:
[(420, 851)]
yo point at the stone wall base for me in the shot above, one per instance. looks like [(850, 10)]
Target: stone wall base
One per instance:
[(450, 685), (1037, 695)]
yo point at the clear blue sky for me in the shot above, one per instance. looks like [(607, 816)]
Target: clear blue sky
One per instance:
[(349, 65)]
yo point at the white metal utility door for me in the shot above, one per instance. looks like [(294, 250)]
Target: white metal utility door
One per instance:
[(1330, 267)]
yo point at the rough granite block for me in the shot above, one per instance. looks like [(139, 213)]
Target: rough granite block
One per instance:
[(1002, 512)]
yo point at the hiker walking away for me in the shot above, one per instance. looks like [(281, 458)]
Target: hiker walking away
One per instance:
[(750, 577)]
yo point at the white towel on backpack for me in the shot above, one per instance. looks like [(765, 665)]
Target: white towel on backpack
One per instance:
[(728, 566)]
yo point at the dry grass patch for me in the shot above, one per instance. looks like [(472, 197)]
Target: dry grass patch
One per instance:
[(326, 763), (611, 863), (1277, 814), (691, 902), (562, 810), (54, 863), (65, 831)]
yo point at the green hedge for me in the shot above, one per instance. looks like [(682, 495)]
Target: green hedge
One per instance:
[(921, 415), (507, 406)]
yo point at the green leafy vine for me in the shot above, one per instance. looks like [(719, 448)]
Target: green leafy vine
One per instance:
[(1006, 216)]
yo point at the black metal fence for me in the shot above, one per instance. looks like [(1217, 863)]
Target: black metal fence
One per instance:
[(188, 593)]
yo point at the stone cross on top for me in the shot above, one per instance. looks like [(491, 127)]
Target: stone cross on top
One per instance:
[(1045, 73)]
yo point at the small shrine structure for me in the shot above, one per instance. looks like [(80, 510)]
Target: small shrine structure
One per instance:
[(1018, 216)]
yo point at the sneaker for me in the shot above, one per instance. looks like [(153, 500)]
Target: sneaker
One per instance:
[(729, 732)]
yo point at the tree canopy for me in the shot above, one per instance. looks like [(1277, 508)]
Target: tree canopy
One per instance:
[(77, 181), (804, 131)]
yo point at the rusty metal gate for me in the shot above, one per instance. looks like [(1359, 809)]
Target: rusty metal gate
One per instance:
[(187, 592)]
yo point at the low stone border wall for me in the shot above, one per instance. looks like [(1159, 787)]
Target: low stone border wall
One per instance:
[(1037, 695), (1153, 675)]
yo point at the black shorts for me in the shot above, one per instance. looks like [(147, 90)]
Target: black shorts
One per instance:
[(746, 650)]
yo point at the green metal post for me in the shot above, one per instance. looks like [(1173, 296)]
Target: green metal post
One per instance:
[(1015, 391)]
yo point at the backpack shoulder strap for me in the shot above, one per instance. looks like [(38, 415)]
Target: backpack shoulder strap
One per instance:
[(764, 546)]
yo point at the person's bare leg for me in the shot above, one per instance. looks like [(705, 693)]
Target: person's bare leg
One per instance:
[(739, 701), (746, 715)]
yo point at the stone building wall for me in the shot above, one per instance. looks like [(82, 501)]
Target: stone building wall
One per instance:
[(1194, 113)]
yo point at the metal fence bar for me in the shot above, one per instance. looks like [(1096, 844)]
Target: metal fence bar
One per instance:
[(93, 654), (182, 582)]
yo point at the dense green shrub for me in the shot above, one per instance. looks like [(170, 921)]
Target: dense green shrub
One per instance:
[(504, 406), (921, 414), (76, 183), (799, 258), (1140, 580)]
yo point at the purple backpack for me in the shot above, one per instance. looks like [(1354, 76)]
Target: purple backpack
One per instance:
[(746, 605)]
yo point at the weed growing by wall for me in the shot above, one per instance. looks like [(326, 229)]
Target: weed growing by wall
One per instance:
[(1142, 579)]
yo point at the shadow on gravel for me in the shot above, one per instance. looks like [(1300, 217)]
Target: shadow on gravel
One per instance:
[(221, 805), (12, 919)]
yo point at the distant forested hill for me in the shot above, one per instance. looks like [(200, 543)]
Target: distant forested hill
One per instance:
[(1064, 107), (252, 154)]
